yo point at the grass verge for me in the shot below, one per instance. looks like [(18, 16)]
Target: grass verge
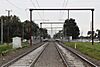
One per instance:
[(5, 48), (87, 48)]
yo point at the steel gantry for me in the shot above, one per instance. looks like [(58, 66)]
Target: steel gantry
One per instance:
[(69, 9), (51, 22)]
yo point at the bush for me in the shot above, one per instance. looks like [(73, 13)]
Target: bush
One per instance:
[(5, 48)]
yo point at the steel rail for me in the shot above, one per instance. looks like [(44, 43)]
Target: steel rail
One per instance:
[(80, 56), (62, 57), (33, 63), (19, 57)]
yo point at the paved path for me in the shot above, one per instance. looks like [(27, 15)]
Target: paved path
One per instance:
[(49, 58)]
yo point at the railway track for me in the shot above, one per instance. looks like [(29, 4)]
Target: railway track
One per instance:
[(31, 59), (62, 57), (50, 54), (74, 59), (51, 57), (26, 59)]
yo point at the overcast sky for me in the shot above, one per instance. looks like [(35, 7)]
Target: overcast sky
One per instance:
[(83, 18)]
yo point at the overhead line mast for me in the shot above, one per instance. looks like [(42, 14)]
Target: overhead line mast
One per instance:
[(36, 8), (8, 12), (8, 23)]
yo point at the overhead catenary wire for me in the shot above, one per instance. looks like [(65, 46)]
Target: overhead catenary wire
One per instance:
[(39, 7), (17, 7), (33, 3), (13, 4), (37, 3), (65, 4), (26, 13), (60, 14), (35, 7)]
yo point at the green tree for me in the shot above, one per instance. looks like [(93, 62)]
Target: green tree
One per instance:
[(30, 27), (15, 26), (26, 30), (71, 29), (11, 28), (44, 33), (90, 34), (98, 34), (58, 35), (22, 29)]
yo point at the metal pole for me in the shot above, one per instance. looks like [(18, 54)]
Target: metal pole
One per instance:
[(8, 12), (1, 31), (68, 14), (23, 32), (8, 22), (40, 25), (30, 27), (92, 26), (51, 29), (40, 32), (68, 21)]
